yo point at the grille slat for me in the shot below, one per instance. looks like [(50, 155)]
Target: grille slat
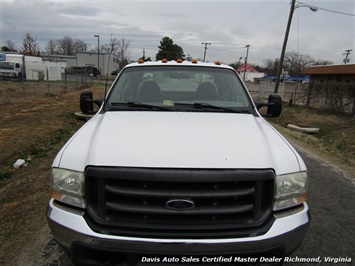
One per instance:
[(133, 201), (140, 192), (160, 210)]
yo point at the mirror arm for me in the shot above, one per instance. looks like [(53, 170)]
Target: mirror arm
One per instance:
[(259, 104), (98, 102)]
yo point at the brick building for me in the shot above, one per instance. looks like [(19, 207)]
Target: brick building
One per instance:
[(335, 73)]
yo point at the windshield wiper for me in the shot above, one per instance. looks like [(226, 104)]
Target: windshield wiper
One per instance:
[(139, 105), (215, 107)]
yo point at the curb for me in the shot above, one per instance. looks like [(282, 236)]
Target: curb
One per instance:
[(83, 116), (310, 130)]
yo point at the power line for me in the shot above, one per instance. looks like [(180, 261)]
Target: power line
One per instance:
[(250, 16), (298, 2), (330, 10), (264, 24)]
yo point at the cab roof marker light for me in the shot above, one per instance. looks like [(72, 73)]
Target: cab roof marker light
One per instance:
[(164, 60), (179, 60), (194, 61), (218, 63), (141, 61)]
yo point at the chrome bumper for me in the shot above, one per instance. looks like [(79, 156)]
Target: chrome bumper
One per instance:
[(69, 227)]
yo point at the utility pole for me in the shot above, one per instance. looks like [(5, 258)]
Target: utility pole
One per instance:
[(143, 54), (204, 55), (279, 69), (246, 61), (346, 53), (292, 9)]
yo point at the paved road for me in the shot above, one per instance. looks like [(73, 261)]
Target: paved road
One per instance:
[(332, 203)]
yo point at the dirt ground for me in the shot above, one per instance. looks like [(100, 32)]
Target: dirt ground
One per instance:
[(34, 124)]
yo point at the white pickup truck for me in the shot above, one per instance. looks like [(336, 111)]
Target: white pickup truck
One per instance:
[(178, 163)]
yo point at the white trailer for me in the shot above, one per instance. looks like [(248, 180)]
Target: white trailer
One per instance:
[(24, 67)]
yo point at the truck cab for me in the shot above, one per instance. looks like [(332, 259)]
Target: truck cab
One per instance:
[(178, 163), (10, 69)]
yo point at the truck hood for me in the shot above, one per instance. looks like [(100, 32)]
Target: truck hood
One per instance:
[(179, 140)]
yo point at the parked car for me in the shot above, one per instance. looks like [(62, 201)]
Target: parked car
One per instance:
[(84, 70)]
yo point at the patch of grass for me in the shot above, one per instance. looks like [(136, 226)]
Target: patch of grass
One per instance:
[(37, 151), (65, 132), (5, 176), (40, 149), (336, 131)]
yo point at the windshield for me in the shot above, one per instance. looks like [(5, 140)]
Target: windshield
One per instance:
[(178, 87), (7, 65)]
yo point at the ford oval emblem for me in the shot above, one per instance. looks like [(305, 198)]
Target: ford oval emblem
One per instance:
[(180, 204)]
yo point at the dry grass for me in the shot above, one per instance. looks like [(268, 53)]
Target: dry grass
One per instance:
[(336, 137), (34, 126), (33, 119)]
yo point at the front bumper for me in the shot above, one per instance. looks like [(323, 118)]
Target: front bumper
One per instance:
[(8, 75), (71, 231)]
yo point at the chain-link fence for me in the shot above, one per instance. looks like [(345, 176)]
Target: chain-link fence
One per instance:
[(11, 91), (326, 95)]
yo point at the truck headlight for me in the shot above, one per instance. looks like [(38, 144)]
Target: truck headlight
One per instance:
[(290, 190), (68, 186)]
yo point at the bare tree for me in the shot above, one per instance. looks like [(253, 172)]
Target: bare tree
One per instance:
[(123, 51), (295, 62), (51, 47), (291, 62), (305, 61), (68, 46), (65, 46), (30, 46), (271, 65), (10, 45), (80, 46), (111, 47)]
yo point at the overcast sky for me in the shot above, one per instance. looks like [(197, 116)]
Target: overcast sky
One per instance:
[(228, 25)]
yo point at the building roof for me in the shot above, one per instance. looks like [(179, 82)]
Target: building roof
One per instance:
[(249, 68), (59, 56), (330, 70)]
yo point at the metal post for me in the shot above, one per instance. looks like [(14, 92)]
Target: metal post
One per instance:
[(292, 9), (98, 51), (282, 56), (246, 61), (204, 55)]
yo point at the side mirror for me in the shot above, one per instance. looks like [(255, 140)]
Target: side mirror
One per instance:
[(87, 102), (274, 105)]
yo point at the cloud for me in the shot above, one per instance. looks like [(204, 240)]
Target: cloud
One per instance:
[(227, 25)]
